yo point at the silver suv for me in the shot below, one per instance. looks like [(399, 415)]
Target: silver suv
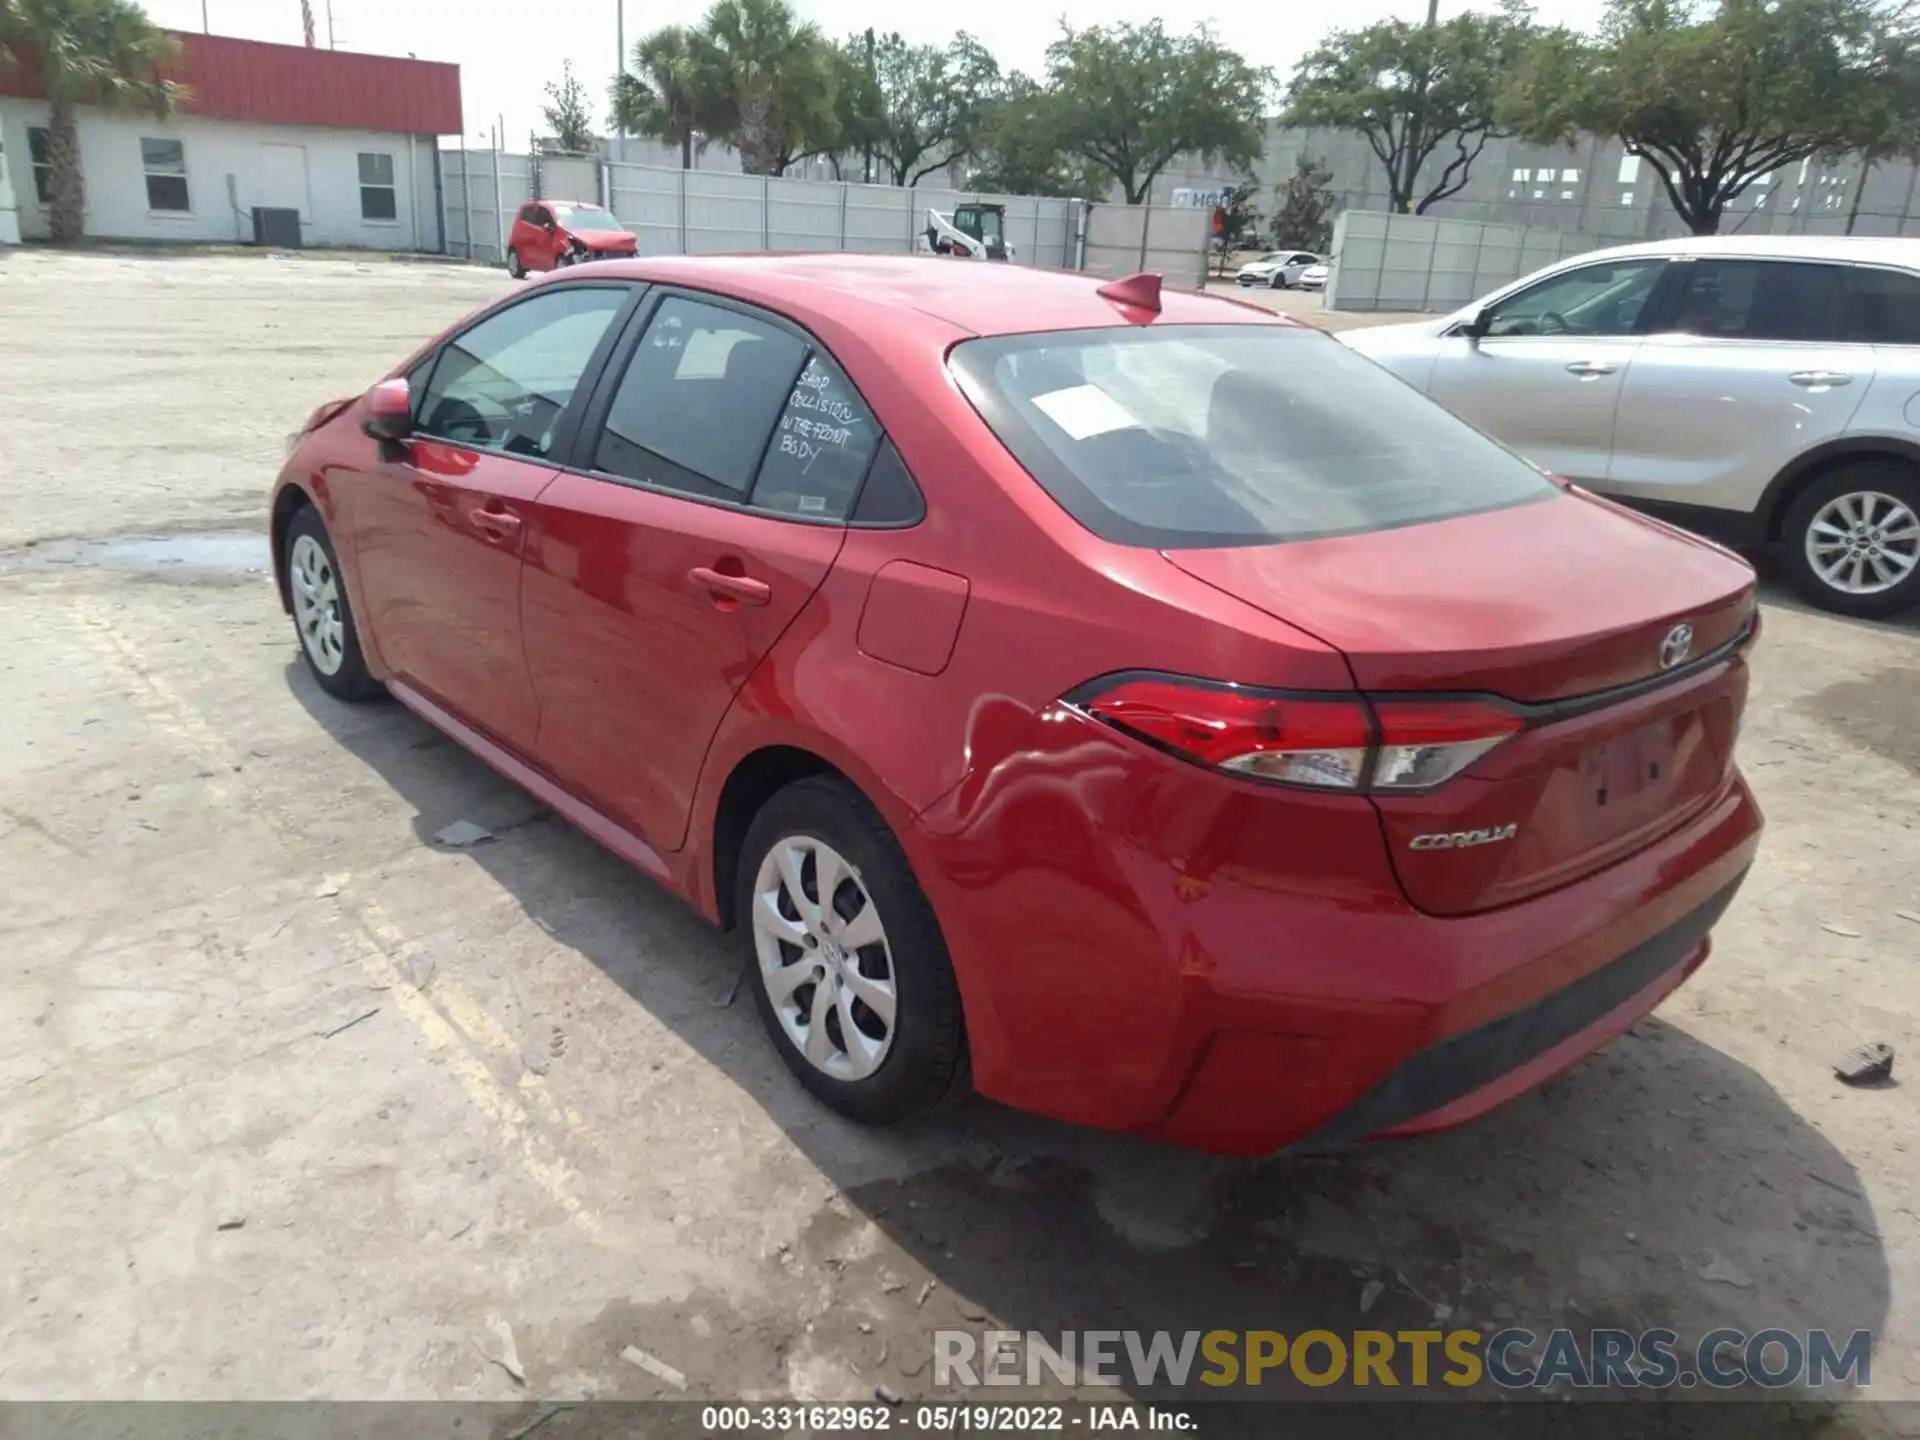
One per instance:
[(1762, 391)]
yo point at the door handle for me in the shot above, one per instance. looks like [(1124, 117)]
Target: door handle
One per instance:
[(496, 524), (1587, 369), (741, 588), (1820, 379)]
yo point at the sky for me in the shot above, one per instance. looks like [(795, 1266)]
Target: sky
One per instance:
[(507, 50)]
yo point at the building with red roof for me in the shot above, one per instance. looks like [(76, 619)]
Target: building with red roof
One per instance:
[(345, 141)]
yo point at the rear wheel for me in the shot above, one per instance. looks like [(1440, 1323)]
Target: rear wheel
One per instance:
[(321, 615), (849, 970), (1852, 539), (515, 267)]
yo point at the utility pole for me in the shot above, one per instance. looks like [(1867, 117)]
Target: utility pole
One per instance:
[(330, 44), (868, 178), (620, 68), (205, 28), (1417, 122)]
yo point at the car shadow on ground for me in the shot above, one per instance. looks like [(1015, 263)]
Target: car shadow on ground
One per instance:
[(1660, 1183)]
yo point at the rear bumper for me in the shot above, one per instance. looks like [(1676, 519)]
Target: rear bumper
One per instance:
[(1141, 946), (1465, 1075)]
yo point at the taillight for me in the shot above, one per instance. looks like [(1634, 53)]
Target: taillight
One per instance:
[(1423, 742), (1332, 742)]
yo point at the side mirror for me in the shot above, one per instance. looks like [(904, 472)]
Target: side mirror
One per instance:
[(1478, 323), (389, 411)]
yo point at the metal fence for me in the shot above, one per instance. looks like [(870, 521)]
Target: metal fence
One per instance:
[(480, 191), (714, 212), (1383, 261)]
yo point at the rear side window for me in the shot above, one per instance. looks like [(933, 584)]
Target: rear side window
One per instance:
[(1884, 308), (1231, 435), (821, 448), (699, 400), (1762, 300)]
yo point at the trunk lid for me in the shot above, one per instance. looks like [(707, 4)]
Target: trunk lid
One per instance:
[(1568, 607)]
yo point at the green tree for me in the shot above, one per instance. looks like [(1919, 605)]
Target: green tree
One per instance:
[(105, 53), (930, 104), (1889, 111), (1130, 98), (857, 105), (1304, 207), (666, 95), (1018, 152), (771, 80), (568, 114), (1712, 94), (1239, 226), (1422, 95)]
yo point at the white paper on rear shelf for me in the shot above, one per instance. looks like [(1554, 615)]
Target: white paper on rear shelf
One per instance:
[(1084, 411)]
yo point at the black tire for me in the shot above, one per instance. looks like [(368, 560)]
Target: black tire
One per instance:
[(1278, 281), (1886, 477), (515, 267), (350, 681), (926, 1065)]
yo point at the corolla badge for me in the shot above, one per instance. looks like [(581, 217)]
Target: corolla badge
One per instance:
[(1676, 647), (1463, 839)]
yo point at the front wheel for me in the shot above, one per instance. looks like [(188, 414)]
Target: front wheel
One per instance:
[(515, 266), (849, 970), (1852, 540), (329, 641), (1278, 282)]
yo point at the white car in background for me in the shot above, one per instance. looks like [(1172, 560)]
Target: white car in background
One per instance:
[(1277, 269), (1764, 391), (1314, 277)]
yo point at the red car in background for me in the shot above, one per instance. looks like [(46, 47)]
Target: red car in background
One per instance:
[(550, 234), (1139, 709)]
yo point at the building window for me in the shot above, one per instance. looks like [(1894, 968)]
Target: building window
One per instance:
[(1569, 177), (42, 166), (1629, 169), (378, 200), (165, 162)]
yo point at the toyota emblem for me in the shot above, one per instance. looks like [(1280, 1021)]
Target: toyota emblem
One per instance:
[(1676, 647)]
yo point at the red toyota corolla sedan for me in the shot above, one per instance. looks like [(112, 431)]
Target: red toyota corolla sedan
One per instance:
[(1139, 709)]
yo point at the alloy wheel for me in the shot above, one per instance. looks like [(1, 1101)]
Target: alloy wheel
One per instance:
[(823, 958), (316, 605), (1864, 542)]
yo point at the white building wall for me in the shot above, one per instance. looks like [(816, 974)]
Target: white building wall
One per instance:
[(232, 167)]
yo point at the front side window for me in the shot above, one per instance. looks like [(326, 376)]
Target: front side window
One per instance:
[(1189, 435), (379, 199), (1603, 299), (506, 383), (165, 162), (1884, 307), (1762, 300), (42, 161), (700, 400)]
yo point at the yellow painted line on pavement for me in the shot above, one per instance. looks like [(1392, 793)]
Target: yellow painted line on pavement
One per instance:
[(385, 947)]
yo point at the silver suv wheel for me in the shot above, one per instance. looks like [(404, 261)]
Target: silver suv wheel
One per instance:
[(1864, 542)]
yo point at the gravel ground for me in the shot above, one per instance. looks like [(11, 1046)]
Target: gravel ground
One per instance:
[(296, 1104)]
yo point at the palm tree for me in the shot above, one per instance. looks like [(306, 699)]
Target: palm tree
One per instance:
[(774, 82), (665, 95), (85, 52)]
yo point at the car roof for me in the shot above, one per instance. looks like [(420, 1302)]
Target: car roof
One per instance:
[(1859, 249), (968, 296)]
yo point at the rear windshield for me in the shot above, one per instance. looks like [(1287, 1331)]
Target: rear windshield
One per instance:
[(1231, 435)]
